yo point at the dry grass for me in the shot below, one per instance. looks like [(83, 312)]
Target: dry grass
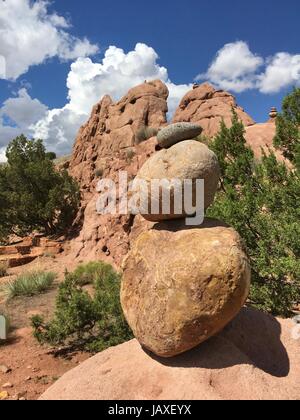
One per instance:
[(29, 284), (145, 133)]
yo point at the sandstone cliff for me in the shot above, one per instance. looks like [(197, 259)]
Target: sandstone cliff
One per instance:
[(105, 145), (260, 137), (207, 106)]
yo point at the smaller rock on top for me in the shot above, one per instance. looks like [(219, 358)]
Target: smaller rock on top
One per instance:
[(178, 132)]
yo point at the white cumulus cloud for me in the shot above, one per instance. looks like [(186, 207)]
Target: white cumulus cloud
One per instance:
[(283, 70), (89, 81), (115, 75), (23, 110), (29, 35), (17, 114), (236, 68)]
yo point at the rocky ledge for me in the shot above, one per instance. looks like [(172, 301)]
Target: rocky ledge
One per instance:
[(255, 357)]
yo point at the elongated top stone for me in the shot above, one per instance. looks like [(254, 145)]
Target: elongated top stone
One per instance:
[(178, 132)]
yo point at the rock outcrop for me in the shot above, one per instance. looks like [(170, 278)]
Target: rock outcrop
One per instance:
[(182, 285), (260, 137), (255, 357), (105, 146), (28, 250), (113, 127), (206, 106)]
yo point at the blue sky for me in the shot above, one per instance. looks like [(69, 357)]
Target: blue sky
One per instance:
[(185, 38)]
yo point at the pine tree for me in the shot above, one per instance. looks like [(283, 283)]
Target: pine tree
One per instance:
[(287, 137), (33, 194), (261, 201)]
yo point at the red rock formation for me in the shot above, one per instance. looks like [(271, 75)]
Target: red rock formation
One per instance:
[(28, 250), (112, 128), (260, 137), (105, 146), (207, 106)]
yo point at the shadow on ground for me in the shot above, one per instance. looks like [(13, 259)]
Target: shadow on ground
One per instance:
[(253, 338)]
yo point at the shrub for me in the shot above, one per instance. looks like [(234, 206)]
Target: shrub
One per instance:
[(91, 272), (3, 268), (85, 322), (51, 156), (33, 194), (261, 201), (29, 284), (145, 133), (130, 153)]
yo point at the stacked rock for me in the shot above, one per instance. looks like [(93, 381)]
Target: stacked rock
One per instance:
[(176, 133), (179, 160), (182, 284)]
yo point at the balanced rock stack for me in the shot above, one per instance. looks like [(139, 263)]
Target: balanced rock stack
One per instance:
[(180, 159), (181, 284)]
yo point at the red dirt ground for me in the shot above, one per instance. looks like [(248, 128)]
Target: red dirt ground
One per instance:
[(32, 368)]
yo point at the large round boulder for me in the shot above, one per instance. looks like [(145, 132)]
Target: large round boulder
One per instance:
[(186, 161), (178, 132), (183, 285)]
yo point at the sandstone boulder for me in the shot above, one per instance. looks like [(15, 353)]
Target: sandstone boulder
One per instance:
[(183, 285), (255, 357), (187, 160), (175, 133), (206, 106)]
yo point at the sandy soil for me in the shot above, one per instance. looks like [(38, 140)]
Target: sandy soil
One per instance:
[(32, 368)]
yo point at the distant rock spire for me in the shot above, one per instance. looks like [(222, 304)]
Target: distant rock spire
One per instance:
[(273, 113)]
